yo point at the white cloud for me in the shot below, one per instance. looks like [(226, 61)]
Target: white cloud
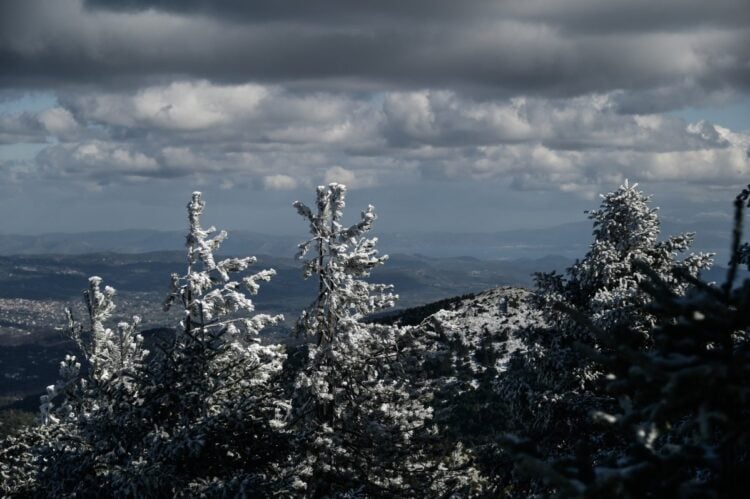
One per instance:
[(96, 161), (59, 122), (350, 178), (181, 157), (280, 182), (183, 105), (196, 105), (340, 175), (411, 113), (279, 139)]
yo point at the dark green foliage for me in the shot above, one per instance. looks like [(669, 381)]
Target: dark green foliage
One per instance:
[(685, 403), (13, 420), (681, 425), (555, 384)]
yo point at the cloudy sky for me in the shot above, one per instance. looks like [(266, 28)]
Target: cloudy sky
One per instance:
[(447, 115)]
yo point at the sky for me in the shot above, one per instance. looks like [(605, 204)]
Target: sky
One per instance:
[(447, 116)]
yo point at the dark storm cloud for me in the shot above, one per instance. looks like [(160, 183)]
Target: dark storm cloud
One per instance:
[(324, 11), (493, 48), (593, 16), (574, 15)]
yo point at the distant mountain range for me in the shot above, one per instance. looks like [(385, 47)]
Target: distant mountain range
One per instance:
[(418, 279), (28, 282), (567, 240), (35, 288)]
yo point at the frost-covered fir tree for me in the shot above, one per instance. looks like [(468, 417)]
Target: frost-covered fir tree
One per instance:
[(212, 395), (605, 284), (80, 415), (683, 406), (553, 385), (97, 407), (110, 353), (113, 358), (340, 258), (199, 416), (353, 412), (218, 321)]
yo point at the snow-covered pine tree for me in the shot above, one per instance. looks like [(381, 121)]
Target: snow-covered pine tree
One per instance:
[(97, 406), (212, 396), (340, 257), (554, 384), (605, 284), (81, 415), (684, 404), (200, 416), (112, 358), (218, 322), (353, 413)]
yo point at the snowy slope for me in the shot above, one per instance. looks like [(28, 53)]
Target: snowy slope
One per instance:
[(499, 315)]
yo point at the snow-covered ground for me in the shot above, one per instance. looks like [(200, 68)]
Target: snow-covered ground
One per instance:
[(501, 314)]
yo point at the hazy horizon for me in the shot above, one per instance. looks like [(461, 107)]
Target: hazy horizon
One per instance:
[(568, 240)]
